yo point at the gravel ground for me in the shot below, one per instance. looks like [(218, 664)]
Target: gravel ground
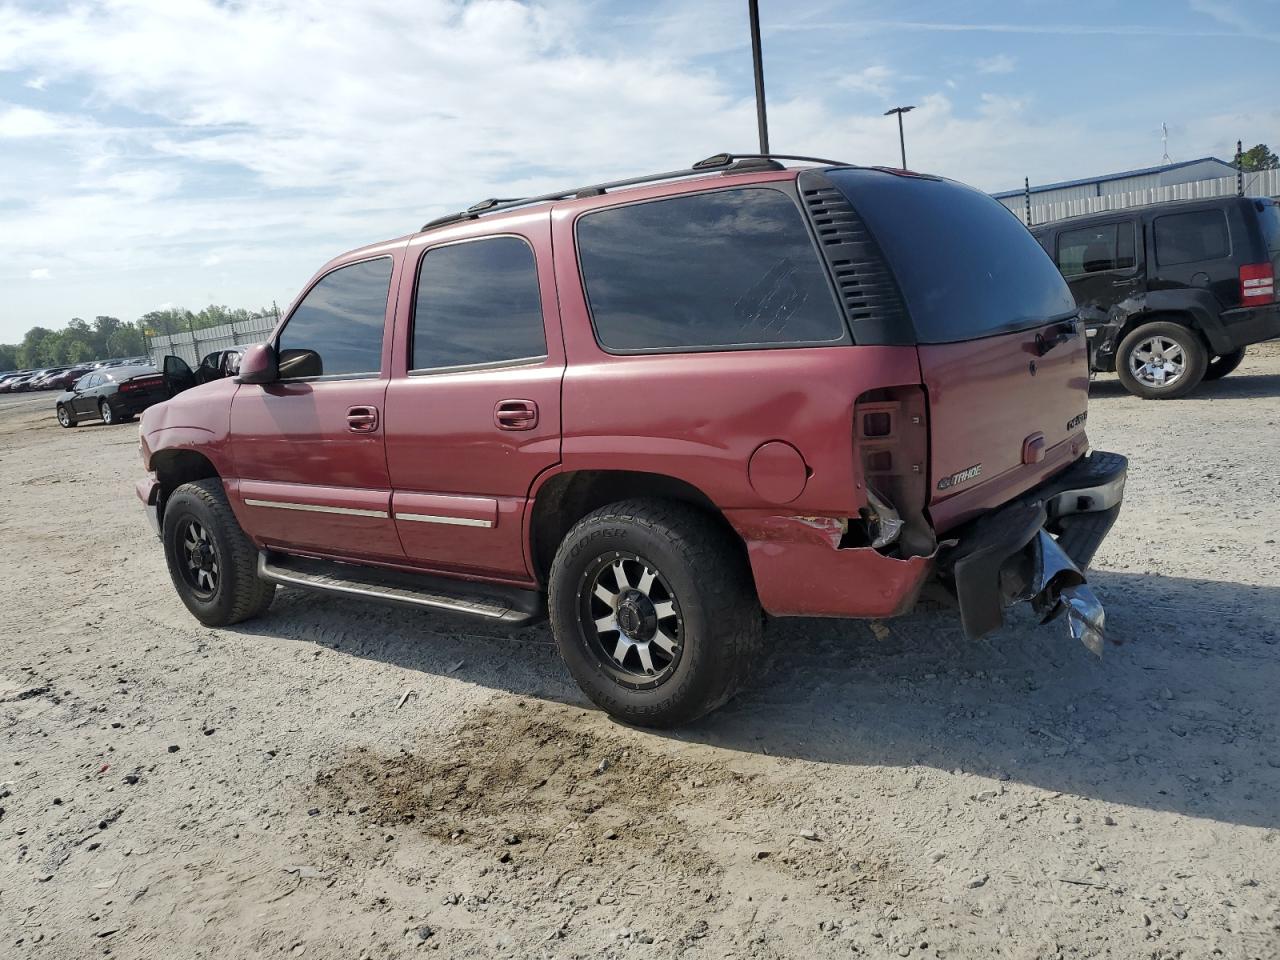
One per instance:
[(887, 790)]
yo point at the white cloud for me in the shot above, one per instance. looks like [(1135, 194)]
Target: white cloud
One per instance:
[(36, 83), (1000, 63), (874, 79), (40, 273)]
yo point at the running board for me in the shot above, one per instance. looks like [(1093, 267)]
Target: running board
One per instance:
[(489, 601)]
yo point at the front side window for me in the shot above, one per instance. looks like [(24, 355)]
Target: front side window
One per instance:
[(1096, 249), (337, 329), (477, 302), (1192, 237), (732, 268)]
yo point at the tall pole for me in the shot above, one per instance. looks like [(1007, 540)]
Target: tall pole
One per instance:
[(1026, 187), (1239, 168), (757, 63), (902, 139)]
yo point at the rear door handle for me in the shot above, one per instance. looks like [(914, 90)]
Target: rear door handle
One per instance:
[(362, 419), (515, 415)]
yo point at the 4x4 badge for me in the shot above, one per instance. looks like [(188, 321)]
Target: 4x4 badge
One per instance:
[(946, 483), (1077, 420)]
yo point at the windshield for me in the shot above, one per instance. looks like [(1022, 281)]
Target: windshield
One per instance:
[(966, 266)]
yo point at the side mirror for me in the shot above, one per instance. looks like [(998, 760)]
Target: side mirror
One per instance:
[(259, 365)]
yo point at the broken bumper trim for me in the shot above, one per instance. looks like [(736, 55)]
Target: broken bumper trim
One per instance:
[(148, 491), (1010, 554)]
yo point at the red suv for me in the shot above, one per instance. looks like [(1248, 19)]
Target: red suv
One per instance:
[(658, 409)]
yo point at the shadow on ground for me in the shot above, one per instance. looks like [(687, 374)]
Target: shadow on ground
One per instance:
[(1235, 386), (1181, 718)]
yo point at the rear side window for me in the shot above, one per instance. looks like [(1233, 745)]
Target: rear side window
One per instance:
[(1191, 237), (1269, 218), (722, 270), (337, 329), (966, 266), (1096, 249), (478, 303)]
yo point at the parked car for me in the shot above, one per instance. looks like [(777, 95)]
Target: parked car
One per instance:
[(737, 389), (64, 379), (112, 395), (1172, 293), (9, 381), (219, 364), (27, 383)]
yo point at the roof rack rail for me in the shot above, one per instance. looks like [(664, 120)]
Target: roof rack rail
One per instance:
[(725, 162)]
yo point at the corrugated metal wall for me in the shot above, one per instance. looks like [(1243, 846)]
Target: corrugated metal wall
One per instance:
[(192, 346), (1264, 183)]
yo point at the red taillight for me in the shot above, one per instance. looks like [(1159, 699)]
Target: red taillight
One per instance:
[(132, 386), (1257, 284)]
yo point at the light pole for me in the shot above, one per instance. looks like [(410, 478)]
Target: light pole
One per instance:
[(902, 141), (757, 64)]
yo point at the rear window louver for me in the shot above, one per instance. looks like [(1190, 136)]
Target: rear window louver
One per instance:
[(868, 293)]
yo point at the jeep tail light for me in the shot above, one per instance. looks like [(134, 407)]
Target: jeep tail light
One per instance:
[(1257, 284)]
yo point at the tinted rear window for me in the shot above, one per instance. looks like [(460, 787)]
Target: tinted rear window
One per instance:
[(967, 267), (1192, 237), (1269, 217), (722, 270), (478, 303)]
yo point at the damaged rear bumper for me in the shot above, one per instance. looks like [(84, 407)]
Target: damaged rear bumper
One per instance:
[(1037, 548)]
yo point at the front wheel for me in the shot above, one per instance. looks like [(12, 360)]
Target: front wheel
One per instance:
[(1219, 367), (654, 611), (1161, 360), (212, 563), (64, 417)]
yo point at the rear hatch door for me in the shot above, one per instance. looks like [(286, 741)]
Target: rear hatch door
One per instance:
[(1003, 356)]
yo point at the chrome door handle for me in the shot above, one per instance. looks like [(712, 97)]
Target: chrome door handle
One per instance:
[(362, 419)]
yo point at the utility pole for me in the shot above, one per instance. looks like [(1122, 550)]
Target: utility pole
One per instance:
[(757, 65), (1239, 168), (902, 140)]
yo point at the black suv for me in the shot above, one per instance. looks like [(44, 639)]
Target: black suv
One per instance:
[(1172, 293)]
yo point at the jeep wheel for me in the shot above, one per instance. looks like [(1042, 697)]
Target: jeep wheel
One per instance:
[(212, 563), (654, 612), (1161, 361), (64, 416), (1219, 367)]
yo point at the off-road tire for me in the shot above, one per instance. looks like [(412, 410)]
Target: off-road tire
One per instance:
[(65, 419), (239, 594), (1219, 367), (1197, 359), (722, 624)]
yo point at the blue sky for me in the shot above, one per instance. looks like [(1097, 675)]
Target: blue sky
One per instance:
[(181, 152)]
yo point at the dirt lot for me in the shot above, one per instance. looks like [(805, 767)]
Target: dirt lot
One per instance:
[(886, 790)]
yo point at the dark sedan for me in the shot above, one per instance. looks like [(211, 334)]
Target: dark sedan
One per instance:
[(112, 395)]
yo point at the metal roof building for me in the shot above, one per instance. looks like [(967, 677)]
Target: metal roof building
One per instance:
[(1188, 180), (1206, 168)]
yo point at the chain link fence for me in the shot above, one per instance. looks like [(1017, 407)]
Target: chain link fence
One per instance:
[(191, 345)]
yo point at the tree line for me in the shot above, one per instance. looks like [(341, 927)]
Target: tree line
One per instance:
[(81, 340)]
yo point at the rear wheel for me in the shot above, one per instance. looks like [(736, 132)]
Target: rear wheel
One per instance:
[(654, 612), (1161, 360), (64, 416), (1219, 367), (212, 563), (104, 410)]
